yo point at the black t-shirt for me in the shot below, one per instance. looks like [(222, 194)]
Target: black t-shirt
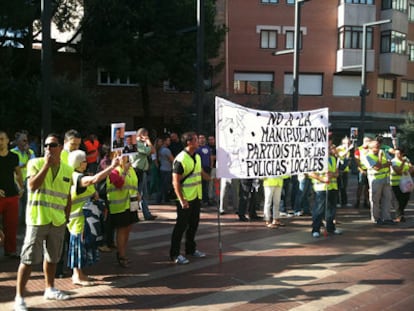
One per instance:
[(7, 166), (178, 168)]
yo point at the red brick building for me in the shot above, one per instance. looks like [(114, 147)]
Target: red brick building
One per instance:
[(330, 49)]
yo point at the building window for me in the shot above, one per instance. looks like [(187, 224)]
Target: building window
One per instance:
[(385, 88), (411, 12), (350, 37), (253, 83), (398, 5), (268, 39), (411, 52), (107, 78), (309, 84), (290, 1), (407, 90), (270, 1), (359, 1), (346, 85), (290, 39), (393, 42)]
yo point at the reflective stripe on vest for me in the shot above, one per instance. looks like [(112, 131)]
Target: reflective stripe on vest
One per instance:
[(47, 204), (321, 186), (76, 218), (381, 173), (191, 186), (119, 199)]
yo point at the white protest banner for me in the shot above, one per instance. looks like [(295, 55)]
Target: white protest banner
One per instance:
[(255, 143)]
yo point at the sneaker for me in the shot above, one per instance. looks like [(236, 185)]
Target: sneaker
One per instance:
[(348, 205), (338, 205), (285, 214), (19, 304), (336, 232), (316, 234), (198, 254), (55, 294), (181, 260), (298, 213)]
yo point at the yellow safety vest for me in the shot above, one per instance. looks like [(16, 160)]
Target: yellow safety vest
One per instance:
[(381, 173), (191, 186), (342, 149), (362, 153), (395, 178), (47, 204), (76, 218), (273, 182), (24, 157), (333, 185), (119, 199), (64, 156)]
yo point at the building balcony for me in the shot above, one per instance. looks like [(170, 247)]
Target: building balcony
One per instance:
[(393, 64), (355, 14), (399, 21), (350, 60)]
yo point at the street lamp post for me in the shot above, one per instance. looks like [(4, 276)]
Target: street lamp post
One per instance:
[(295, 94), (295, 51), (46, 65), (200, 65), (364, 90)]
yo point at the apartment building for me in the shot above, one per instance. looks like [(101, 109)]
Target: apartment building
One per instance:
[(329, 66)]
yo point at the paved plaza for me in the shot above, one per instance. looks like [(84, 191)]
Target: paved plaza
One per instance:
[(369, 267)]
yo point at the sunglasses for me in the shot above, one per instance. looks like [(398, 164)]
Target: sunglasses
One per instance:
[(51, 145)]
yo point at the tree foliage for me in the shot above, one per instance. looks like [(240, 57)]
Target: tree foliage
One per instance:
[(407, 135), (20, 79), (148, 40)]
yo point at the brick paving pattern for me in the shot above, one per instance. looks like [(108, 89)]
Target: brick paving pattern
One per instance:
[(369, 267)]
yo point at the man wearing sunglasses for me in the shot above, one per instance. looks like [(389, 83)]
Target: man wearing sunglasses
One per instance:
[(49, 182)]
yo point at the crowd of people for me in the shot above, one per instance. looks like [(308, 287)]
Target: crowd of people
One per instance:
[(55, 193)]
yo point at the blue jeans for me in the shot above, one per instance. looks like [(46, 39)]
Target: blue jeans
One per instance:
[(165, 186), (302, 196), (322, 210)]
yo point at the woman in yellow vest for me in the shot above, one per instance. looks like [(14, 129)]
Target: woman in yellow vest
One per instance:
[(82, 191), (325, 203), (272, 187), (123, 197), (400, 165)]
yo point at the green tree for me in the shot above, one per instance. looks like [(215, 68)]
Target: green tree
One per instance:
[(406, 137), (148, 40), (20, 64)]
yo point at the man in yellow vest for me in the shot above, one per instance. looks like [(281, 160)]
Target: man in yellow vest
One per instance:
[(326, 196), (48, 208), (73, 140), (25, 154), (344, 156), (380, 195), (187, 175), (359, 155)]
